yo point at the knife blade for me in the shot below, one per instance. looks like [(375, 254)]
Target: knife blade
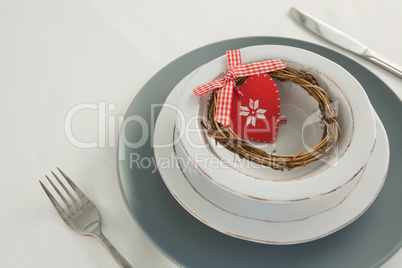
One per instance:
[(344, 41)]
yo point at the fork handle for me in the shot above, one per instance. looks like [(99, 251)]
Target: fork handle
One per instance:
[(113, 251)]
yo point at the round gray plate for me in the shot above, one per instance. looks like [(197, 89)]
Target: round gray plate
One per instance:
[(367, 242)]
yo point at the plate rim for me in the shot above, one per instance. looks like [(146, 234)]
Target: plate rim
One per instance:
[(172, 99), (267, 190)]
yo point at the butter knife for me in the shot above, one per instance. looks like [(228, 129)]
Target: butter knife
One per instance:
[(343, 40)]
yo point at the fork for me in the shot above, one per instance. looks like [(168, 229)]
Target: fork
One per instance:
[(81, 215)]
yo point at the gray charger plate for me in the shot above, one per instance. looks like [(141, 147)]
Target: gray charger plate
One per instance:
[(368, 242)]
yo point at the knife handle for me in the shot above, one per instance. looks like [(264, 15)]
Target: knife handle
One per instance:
[(383, 62)]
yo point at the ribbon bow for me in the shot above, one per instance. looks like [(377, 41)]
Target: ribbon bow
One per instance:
[(227, 84)]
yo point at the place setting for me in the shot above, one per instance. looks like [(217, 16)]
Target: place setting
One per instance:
[(266, 148), (255, 151)]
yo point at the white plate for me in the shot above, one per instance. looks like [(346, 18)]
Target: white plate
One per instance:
[(318, 179), (262, 231)]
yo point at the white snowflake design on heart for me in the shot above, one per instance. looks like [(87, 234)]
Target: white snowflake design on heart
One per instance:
[(253, 113)]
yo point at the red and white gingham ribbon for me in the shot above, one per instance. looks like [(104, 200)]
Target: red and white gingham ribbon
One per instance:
[(227, 83)]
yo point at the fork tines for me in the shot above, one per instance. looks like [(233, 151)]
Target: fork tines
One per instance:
[(71, 208)]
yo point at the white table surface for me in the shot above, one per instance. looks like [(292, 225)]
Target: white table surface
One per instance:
[(55, 55)]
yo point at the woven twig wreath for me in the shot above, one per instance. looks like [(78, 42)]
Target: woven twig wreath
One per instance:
[(330, 137)]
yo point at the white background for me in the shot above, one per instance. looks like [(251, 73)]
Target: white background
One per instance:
[(55, 55)]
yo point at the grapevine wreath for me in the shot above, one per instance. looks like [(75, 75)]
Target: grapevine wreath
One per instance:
[(222, 133)]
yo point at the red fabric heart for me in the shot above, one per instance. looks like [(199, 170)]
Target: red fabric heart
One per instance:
[(256, 115)]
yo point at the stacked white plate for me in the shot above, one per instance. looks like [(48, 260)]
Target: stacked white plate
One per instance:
[(257, 203)]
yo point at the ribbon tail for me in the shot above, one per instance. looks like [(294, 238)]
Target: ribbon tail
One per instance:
[(259, 67), (224, 103), (233, 58), (205, 88)]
